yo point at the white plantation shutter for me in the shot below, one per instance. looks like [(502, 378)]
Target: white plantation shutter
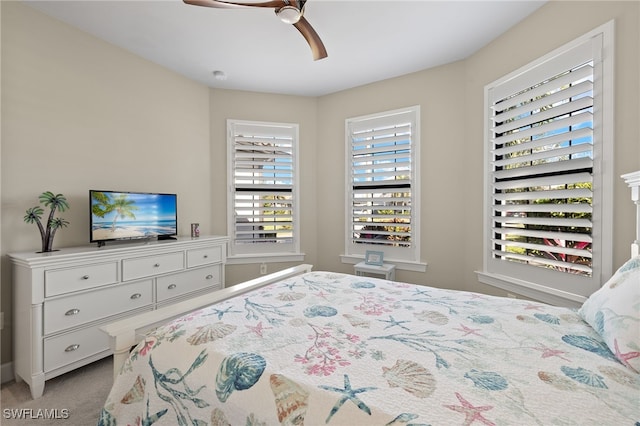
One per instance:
[(542, 172), (263, 188), (382, 173), (545, 172)]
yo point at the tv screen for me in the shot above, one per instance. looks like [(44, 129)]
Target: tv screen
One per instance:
[(130, 215)]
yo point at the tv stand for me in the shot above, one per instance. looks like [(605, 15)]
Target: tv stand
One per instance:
[(166, 237), (61, 299)]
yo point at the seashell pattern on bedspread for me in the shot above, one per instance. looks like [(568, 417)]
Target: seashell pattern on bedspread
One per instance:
[(335, 349)]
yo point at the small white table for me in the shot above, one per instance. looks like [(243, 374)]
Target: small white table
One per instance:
[(387, 270)]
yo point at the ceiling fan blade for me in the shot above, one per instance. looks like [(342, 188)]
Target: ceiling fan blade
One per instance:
[(222, 4), (317, 47)]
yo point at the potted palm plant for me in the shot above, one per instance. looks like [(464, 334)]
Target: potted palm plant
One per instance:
[(33, 215)]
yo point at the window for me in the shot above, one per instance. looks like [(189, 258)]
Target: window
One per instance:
[(382, 200), (548, 148), (263, 195)]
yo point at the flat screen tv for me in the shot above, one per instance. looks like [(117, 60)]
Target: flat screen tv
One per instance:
[(132, 215)]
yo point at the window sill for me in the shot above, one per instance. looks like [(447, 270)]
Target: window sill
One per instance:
[(400, 264), (531, 290), (242, 259)]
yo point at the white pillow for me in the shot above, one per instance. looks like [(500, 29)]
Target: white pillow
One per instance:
[(614, 312)]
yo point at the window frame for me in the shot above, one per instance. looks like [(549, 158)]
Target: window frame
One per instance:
[(548, 285), (403, 259), (267, 252)]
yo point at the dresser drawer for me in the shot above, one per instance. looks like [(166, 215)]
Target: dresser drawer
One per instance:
[(78, 309), (71, 347), (142, 267), (60, 281), (204, 256), (186, 282)]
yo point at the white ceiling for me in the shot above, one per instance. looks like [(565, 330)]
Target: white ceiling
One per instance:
[(366, 40)]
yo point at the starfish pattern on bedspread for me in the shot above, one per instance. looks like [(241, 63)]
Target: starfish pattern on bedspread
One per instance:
[(548, 352), (258, 329), (394, 323), (625, 357), (471, 412), (348, 393), (468, 330)]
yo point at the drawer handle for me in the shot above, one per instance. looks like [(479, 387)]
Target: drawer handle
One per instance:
[(206, 256), (136, 296), (209, 277), (171, 286), (85, 277), (74, 311), (157, 265), (72, 348)]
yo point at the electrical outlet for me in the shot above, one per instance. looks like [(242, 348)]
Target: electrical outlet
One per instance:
[(263, 268), (1, 320)]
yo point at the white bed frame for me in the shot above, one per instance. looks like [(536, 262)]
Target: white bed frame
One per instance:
[(633, 180), (126, 333)]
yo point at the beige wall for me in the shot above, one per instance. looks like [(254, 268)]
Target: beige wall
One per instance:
[(78, 113), (232, 104), (72, 106), (441, 97), (452, 102), (561, 21)]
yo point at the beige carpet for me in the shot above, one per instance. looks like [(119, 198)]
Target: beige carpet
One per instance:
[(81, 393)]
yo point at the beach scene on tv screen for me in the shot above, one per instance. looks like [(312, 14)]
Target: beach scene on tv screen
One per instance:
[(121, 215)]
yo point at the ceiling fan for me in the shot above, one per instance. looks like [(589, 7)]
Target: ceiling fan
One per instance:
[(289, 11)]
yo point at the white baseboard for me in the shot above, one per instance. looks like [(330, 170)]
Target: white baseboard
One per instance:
[(6, 372)]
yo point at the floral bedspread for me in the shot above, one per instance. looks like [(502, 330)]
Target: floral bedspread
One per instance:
[(327, 348)]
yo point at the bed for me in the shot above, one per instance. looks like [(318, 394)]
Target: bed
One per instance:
[(318, 347)]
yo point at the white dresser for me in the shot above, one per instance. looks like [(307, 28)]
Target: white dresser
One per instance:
[(61, 298)]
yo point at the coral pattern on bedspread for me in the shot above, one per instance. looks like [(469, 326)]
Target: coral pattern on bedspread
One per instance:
[(335, 349)]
